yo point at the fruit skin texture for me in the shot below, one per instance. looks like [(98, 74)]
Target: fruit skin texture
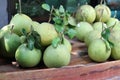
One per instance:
[(21, 21), (98, 52), (106, 13), (67, 44), (47, 33), (99, 26), (26, 57), (91, 36), (82, 29), (9, 43), (86, 13), (112, 22), (4, 30), (114, 36), (117, 26), (115, 51), (56, 57)]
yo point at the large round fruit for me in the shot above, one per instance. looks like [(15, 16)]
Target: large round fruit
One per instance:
[(56, 57), (99, 26), (102, 12), (115, 51), (86, 13), (21, 21), (112, 22), (47, 33), (114, 36), (91, 36), (99, 51), (9, 43), (26, 57), (82, 29)]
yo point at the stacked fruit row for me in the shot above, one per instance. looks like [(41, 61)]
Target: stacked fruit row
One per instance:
[(99, 31), (30, 42)]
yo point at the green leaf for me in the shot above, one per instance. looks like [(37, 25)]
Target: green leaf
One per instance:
[(46, 7), (24, 32), (71, 33), (61, 9), (57, 20), (72, 21), (107, 44), (55, 42), (105, 34), (37, 40), (31, 41), (59, 28), (57, 12)]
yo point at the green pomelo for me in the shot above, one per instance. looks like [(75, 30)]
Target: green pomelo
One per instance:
[(86, 13), (21, 21), (26, 57), (82, 29), (68, 44), (99, 26), (114, 36), (115, 51), (112, 22), (56, 57), (91, 36), (98, 50), (47, 33), (103, 12), (9, 43)]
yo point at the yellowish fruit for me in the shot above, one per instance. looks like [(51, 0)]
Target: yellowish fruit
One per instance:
[(56, 57), (47, 33), (86, 13), (21, 21), (103, 12), (82, 29), (67, 44)]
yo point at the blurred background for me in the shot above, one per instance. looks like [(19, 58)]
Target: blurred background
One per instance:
[(33, 8)]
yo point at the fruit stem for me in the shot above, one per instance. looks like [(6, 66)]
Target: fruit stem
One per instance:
[(115, 14), (11, 28), (84, 17), (50, 17), (20, 12), (101, 15), (101, 2)]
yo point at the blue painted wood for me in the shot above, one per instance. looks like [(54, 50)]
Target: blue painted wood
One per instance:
[(3, 13)]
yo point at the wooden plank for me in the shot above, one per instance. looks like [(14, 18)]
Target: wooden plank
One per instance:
[(81, 67), (77, 72)]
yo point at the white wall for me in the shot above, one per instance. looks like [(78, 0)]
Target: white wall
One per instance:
[(3, 13)]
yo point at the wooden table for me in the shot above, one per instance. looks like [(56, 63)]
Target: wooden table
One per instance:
[(81, 67)]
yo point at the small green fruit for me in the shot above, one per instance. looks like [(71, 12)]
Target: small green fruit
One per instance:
[(26, 57)]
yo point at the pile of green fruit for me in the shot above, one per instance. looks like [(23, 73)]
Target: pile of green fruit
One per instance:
[(99, 31), (30, 42)]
